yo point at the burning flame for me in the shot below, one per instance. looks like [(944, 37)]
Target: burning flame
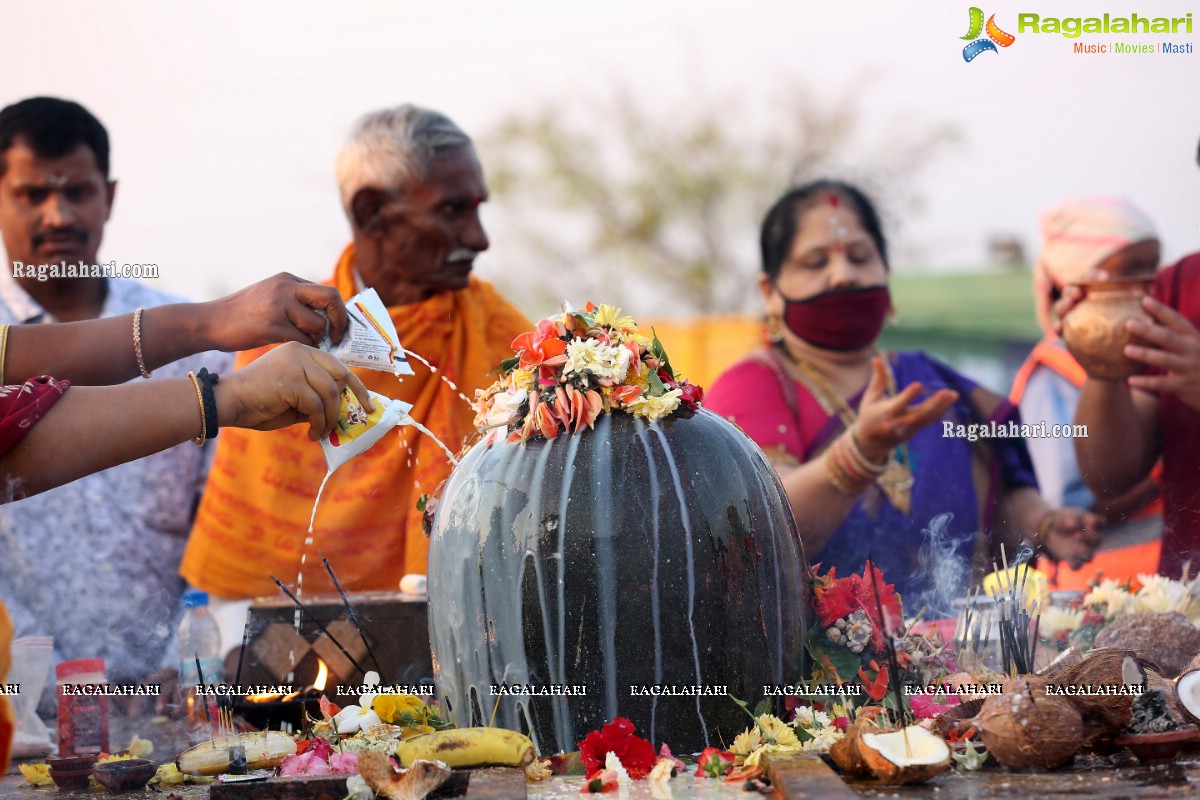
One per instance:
[(322, 675)]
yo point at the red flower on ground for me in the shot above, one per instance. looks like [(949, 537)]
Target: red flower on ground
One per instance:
[(636, 754), (599, 782), (713, 763)]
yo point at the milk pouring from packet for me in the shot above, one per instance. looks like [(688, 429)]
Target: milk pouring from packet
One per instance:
[(370, 341), (356, 431)]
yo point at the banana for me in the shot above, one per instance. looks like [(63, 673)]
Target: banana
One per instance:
[(263, 749), (468, 747)]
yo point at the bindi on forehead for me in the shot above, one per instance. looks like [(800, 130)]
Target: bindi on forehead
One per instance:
[(840, 232)]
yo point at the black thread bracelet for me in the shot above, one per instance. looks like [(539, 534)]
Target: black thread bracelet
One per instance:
[(207, 381)]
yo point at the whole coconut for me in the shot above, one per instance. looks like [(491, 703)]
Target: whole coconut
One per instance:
[(1104, 715), (1023, 728), (1165, 639)]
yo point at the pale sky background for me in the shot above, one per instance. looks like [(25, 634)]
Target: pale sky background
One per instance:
[(225, 117)]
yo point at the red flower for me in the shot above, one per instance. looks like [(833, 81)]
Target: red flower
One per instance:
[(636, 754), (599, 782), (877, 688), (541, 347), (713, 763), (838, 598), (691, 395)]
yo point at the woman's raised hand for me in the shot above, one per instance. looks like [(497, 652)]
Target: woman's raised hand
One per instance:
[(885, 422)]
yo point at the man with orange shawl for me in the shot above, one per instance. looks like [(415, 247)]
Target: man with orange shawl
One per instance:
[(1082, 237), (411, 185)]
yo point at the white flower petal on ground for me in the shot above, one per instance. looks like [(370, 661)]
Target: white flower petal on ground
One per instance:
[(612, 762)]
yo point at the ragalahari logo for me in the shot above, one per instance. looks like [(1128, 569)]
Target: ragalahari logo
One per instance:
[(995, 36)]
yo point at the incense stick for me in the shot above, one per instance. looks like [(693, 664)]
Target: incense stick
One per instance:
[(241, 656), (350, 610), (317, 622), (203, 698)]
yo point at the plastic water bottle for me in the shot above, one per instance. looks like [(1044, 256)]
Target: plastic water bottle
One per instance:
[(199, 638)]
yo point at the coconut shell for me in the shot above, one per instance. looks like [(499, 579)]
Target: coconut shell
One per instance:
[(958, 718), (895, 774), (845, 751), (1167, 640), (1104, 716), (1024, 728), (1176, 708)]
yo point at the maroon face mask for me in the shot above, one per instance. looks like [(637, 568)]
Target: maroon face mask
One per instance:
[(840, 319)]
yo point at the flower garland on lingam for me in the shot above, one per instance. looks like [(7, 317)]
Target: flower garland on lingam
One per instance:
[(574, 367)]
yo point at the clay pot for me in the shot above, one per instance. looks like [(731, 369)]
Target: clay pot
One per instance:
[(71, 772), (633, 555), (1094, 330), (121, 776)]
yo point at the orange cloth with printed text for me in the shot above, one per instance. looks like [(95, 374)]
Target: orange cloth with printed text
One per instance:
[(8, 724), (253, 520)]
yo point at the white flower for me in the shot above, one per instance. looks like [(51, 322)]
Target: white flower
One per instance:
[(661, 772), (1111, 596), (358, 789), (606, 362), (653, 408), (1055, 620), (352, 719), (1161, 594), (822, 739), (807, 717), (502, 409), (612, 762)]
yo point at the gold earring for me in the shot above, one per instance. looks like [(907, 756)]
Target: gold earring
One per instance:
[(774, 329)]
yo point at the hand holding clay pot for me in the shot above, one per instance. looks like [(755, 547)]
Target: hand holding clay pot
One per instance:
[(1172, 344), (1096, 329)]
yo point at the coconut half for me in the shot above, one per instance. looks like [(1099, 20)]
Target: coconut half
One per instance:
[(846, 752), (1187, 690), (910, 755)]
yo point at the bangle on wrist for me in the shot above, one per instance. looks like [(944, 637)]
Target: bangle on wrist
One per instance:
[(1043, 527), (137, 343), (873, 469), (204, 381)]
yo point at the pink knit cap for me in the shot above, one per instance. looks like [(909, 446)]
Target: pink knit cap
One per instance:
[(1079, 234)]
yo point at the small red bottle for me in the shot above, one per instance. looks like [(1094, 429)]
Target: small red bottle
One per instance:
[(82, 707)]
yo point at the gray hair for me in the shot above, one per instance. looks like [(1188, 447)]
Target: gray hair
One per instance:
[(389, 147)]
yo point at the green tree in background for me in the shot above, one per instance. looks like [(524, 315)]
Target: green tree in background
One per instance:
[(658, 209)]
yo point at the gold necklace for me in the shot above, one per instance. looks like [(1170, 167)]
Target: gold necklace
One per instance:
[(896, 482)]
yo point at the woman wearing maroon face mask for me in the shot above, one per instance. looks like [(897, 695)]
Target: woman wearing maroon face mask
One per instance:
[(866, 444)]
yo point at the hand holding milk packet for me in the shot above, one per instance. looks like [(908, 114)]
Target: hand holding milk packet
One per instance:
[(356, 431), (370, 341)]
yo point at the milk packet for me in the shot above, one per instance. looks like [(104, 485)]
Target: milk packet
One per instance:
[(356, 431), (370, 341)]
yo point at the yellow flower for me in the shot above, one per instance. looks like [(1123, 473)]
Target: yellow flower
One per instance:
[(139, 747), (746, 742), (653, 408), (523, 379), (36, 774), (117, 757), (391, 707), (776, 729), (610, 317)]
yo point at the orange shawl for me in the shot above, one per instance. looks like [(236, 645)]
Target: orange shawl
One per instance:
[(253, 518), (8, 724)]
